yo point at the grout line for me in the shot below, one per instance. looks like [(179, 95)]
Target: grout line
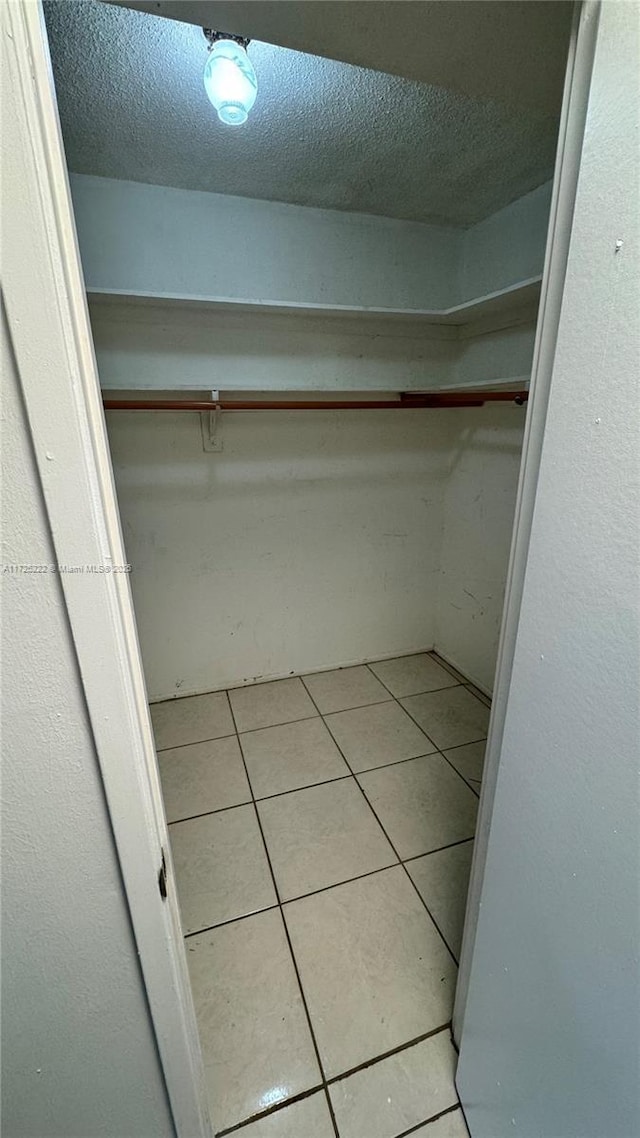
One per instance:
[(196, 742), (454, 768), (205, 813), (437, 750), (337, 884), (324, 1085), (459, 746), (235, 734), (428, 691), (268, 726), (293, 958), (402, 861), (441, 752), (412, 717), (262, 798), (307, 786), (389, 1054), (409, 877), (230, 921), (285, 723), (439, 849), (464, 680), (395, 763), (419, 895), (304, 718), (269, 1111), (427, 1121), (423, 691), (338, 710), (326, 781), (346, 1075), (326, 888)]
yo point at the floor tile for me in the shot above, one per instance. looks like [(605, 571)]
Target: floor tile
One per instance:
[(399, 1092), (190, 720), (291, 756), (202, 777), (469, 761), (451, 1125), (450, 717), (256, 1044), (320, 836), (221, 868), (308, 1118), (265, 705), (374, 970), (376, 735), (422, 804), (442, 879), (408, 675), (345, 688)]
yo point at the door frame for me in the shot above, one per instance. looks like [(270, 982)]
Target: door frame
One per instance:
[(565, 182), (47, 316), (48, 319)]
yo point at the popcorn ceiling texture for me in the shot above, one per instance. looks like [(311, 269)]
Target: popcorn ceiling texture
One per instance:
[(322, 133)]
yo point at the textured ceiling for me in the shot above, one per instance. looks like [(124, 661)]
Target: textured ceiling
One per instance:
[(514, 51), (322, 133)]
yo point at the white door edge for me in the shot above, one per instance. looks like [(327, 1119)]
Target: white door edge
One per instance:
[(567, 165), (47, 316)]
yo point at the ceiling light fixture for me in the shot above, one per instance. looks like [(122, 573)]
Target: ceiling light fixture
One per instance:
[(229, 78)]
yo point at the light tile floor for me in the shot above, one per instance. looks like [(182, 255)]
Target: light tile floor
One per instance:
[(321, 832)]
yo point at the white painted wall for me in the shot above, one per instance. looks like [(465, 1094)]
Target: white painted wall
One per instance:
[(506, 247), (319, 538), (315, 540), (78, 1052), (154, 239), (183, 242), (164, 242), (311, 540), (485, 446), (551, 1038), (496, 357), (156, 347)]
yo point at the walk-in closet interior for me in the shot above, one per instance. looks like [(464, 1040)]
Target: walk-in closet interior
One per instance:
[(314, 334)]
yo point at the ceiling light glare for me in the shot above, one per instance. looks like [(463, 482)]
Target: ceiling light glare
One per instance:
[(229, 79)]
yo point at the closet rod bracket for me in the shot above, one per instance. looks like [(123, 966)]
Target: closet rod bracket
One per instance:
[(211, 423)]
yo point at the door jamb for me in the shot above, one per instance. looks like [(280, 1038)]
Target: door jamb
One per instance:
[(565, 182), (48, 321)]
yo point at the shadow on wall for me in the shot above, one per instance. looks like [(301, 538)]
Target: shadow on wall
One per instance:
[(160, 452), (313, 539)]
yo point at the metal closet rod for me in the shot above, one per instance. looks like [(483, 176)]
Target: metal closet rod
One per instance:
[(404, 403)]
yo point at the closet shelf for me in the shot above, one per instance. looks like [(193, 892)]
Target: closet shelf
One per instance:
[(500, 303)]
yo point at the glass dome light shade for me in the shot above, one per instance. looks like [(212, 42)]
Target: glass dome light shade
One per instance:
[(230, 82)]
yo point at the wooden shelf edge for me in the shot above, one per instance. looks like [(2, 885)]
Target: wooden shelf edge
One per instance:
[(514, 296)]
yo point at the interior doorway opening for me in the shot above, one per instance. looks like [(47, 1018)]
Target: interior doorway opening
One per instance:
[(318, 592)]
